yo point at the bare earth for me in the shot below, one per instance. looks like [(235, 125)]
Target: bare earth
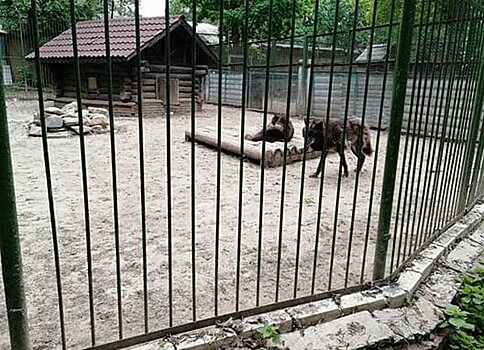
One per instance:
[(36, 234)]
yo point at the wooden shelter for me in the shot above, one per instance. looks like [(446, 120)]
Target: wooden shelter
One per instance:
[(58, 56)]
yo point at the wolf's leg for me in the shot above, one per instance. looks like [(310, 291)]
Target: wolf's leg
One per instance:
[(360, 156), (341, 151), (256, 137), (320, 165), (361, 160)]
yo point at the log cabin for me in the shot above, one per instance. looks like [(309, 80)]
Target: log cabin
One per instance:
[(57, 55)]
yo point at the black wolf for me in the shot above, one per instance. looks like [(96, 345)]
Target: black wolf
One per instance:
[(357, 135), (275, 131)]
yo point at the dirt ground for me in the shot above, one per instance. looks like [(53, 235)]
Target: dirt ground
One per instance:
[(36, 236)]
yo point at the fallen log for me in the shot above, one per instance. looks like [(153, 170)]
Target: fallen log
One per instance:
[(274, 152)]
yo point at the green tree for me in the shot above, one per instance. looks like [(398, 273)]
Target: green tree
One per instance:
[(234, 15), (346, 14), (122, 8), (15, 14)]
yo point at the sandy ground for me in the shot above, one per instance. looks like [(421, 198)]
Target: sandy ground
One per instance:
[(37, 244)]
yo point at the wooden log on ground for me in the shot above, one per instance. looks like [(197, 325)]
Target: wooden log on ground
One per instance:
[(230, 144), (274, 155)]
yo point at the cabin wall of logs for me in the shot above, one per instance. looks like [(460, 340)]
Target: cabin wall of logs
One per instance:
[(94, 81), (94, 85), (154, 84)]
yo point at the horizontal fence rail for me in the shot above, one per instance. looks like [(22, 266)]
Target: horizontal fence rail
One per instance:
[(151, 200)]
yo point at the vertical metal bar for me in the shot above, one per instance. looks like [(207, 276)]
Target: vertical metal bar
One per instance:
[(22, 45), (85, 187), (393, 143), (462, 130), (284, 160), (477, 172), (241, 166), (453, 160), (10, 251), (219, 151), (401, 192), (465, 186), (417, 135), (451, 46), (308, 114), (469, 57), (323, 156), (478, 53), (345, 120), (434, 129), (360, 138), (460, 114), (168, 160), (113, 168), (50, 195), (141, 163), (193, 159), (263, 157), (443, 187), (377, 147), (414, 135)]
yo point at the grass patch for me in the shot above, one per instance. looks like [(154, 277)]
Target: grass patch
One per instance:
[(466, 318)]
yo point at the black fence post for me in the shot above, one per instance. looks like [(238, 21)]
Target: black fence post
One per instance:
[(9, 239), (393, 143), (467, 189)]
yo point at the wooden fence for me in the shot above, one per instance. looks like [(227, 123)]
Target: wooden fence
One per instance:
[(438, 97)]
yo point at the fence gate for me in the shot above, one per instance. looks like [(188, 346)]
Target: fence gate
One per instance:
[(129, 231)]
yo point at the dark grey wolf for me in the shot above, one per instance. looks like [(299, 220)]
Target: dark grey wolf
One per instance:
[(355, 134), (275, 130)]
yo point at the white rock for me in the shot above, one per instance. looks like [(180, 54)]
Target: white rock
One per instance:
[(95, 110), (54, 122), (98, 119), (70, 107), (70, 121), (35, 130), (53, 110), (70, 115)]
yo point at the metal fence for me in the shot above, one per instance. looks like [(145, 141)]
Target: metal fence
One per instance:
[(19, 74), (176, 237)]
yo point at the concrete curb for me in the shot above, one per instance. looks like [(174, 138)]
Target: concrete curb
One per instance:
[(375, 310)]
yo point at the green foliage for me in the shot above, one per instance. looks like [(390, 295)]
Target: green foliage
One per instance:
[(23, 76), (15, 14), (122, 8), (467, 319), (234, 15), (269, 333)]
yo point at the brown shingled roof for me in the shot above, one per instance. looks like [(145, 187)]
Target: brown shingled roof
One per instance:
[(91, 43)]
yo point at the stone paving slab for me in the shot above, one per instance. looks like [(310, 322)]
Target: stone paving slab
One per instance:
[(463, 256), (355, 331), (416, 306)]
